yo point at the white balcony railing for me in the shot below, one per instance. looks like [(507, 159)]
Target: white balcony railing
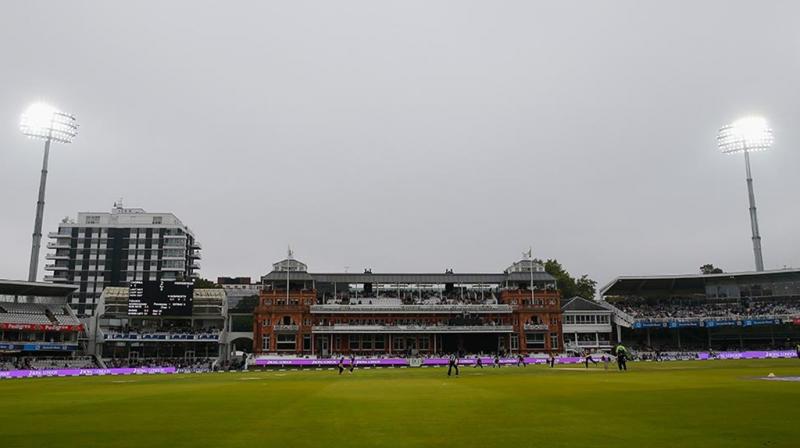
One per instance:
[(110, 335), (463, 308), (53, 267), (53, 278), (412, 329)]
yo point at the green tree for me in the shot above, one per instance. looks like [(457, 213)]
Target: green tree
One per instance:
[(586, 287), (568, 286), (710, 269), (204, 283), (246, 305)]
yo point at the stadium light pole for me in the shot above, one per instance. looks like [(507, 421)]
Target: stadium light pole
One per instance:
[(746, 135), (44, 122)]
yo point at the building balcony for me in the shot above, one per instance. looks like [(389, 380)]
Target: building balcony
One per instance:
[(194, 266), (286, 328), (58, 245), (173, 268), (586, 328), (53, 267), (182, 236), (535, 307), (56, 257), (110, 335), (592, 343), (173, 244), (415, 309), (54, 279), (58, 235), (405, 329), (195, 255), (196, 245), (277, 308)]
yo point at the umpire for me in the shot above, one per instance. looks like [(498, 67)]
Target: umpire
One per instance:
[(452, 364), (622, 357)]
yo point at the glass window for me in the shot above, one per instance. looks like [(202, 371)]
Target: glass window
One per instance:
[(424, 343), (534, 340), (285, 342), (366, 342)]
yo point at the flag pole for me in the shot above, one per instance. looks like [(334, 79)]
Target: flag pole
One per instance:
[(288, 259), (530, 258)]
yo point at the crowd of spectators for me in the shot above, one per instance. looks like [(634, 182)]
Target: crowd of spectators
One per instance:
[(46, 363), (425, 297), (165, 328), (464, 319), (188, 364), (409, 353), (682, 309)]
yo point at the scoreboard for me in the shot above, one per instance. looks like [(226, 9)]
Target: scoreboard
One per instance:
[(160, 298)]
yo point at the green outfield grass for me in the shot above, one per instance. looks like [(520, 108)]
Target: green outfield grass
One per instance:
[(714, 403)]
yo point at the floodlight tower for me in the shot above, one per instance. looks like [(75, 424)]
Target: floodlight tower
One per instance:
[(746, 135), (45, 122)]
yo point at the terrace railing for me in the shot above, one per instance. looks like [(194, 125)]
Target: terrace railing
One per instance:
[(451, 308), (412, 329)]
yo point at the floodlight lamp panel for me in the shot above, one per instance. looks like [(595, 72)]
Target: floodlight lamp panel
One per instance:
[(43, 121), (745, 134)]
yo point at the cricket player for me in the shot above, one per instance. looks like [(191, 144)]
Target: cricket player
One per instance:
[(587, 356), (452, 364)]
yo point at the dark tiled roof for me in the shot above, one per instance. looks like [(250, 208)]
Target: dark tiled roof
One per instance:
[(581, 304)]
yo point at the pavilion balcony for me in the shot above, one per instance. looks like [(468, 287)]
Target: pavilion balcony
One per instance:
[(404, 329)]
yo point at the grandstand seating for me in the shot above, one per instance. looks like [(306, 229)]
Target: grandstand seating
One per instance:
[(38, 363), (74, 363), (193, 364), (677, 309), (35, 313), (392, 298)]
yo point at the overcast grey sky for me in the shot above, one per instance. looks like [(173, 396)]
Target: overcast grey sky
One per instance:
[(412, 135)]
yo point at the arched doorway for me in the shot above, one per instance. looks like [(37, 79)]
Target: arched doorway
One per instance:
[(244, 344)]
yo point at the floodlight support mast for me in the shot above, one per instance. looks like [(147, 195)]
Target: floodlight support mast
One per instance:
[(753, 215), (37, 224), (42, 121)]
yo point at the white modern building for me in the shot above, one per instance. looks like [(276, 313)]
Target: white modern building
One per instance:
[(113, 249), (586, 325)]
